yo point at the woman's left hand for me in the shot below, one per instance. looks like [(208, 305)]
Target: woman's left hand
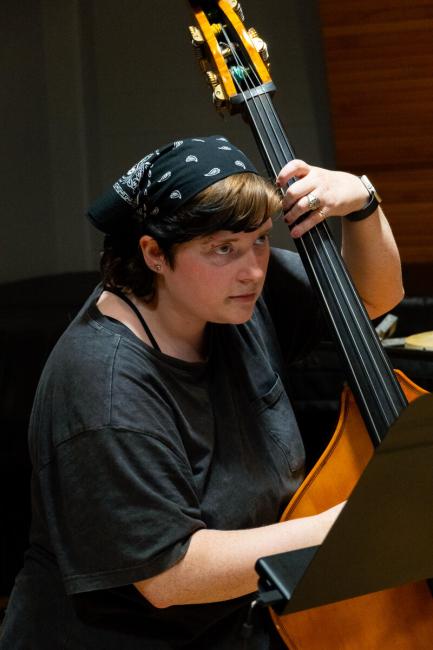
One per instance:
[(322, 192)]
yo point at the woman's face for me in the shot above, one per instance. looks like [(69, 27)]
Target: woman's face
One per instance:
[(217, 278)]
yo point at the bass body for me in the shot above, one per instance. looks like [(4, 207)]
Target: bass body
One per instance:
[(399, 618)]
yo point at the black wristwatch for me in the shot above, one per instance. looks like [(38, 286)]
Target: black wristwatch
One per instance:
[(372, 204)]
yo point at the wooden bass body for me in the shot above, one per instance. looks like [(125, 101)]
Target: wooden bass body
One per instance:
[(397, 619)]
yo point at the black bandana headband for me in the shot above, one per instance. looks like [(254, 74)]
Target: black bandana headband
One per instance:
[(166, 179)]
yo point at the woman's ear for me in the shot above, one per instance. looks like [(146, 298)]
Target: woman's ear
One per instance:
[(152, 254)]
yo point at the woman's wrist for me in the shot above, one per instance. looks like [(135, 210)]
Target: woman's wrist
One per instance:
[(372, 201)]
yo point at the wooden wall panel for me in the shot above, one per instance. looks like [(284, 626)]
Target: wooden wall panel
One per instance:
[(379, 61)]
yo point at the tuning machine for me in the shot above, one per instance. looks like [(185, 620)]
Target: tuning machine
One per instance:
[(259, 45), (218, 96), (236, 6), (196, 36), (198, 42)]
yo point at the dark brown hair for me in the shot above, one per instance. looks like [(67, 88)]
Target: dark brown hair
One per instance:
[(241, 202)]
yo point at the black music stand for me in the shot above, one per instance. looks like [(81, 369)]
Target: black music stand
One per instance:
[(384, 536)]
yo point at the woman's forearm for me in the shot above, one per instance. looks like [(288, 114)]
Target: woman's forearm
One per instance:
[(219, 565), (373, 260)]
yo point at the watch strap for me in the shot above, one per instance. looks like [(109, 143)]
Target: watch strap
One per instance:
[(370, 207)]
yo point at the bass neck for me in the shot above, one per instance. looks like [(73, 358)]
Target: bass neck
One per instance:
[(367, 368)]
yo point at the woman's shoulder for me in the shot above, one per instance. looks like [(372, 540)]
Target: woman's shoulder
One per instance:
[(286, 265)]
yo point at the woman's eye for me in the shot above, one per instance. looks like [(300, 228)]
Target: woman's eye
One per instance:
[(262, 240), (224, 249)]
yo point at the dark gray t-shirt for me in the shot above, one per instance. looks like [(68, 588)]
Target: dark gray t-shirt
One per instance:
[(133, 451)]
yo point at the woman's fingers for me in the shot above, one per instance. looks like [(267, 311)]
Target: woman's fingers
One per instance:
[(308, 222), (298, 168), (316, 194)]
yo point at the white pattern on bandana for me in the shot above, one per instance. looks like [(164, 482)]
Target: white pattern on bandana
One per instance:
[(164, 177)]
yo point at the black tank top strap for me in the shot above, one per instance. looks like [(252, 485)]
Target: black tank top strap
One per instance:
[(122, 296)]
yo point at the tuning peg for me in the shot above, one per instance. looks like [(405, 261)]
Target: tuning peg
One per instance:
[(225, 50), (217, 28), (218, 96), (259, 44), (212, 78), (236, 6), (196, 35)]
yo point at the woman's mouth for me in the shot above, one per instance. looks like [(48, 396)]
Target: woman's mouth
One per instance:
[(244, 297)]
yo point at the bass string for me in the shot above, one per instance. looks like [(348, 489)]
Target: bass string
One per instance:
[(268, 127), (349, 358), (337, 277), (379, 405), (371, 334)]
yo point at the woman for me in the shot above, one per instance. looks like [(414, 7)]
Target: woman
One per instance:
[(164, 446)]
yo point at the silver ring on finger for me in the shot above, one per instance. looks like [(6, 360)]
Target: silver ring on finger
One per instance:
[(313, 201)]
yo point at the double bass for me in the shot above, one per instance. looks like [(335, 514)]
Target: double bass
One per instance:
[(235, 61)]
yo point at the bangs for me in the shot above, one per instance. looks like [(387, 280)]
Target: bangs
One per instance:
[(241, 202)]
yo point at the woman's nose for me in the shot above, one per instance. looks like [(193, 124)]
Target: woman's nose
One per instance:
[(252, 269)]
